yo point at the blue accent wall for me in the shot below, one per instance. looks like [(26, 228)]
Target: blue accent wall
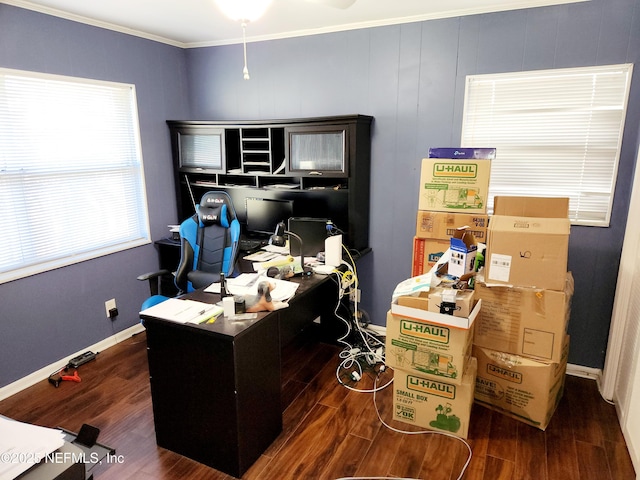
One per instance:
[(50, 316), (409, 77)]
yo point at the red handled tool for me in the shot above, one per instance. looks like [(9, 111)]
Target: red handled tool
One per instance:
[(56, 378)]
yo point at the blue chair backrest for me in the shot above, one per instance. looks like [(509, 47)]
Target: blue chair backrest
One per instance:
[(209, 243)]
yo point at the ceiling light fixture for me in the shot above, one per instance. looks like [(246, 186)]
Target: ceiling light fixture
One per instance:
[(243, 11)]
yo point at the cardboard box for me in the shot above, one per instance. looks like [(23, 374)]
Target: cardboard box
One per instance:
[(428, 343), (524, 321), (463, 253), (455, 180), (419, 301), (442, 225), (433, 404), (538, 207), (520, 387), (464, 153), (450, 301), (426, 253), (525, 250), (403, 307)]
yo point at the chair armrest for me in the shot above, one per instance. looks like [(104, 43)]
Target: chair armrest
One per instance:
[(154, 280), (152, 275)]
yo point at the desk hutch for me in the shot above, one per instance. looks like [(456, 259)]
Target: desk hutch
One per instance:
[(322, 164)]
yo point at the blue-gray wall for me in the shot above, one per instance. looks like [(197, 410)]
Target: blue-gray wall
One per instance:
[(409, 77), (48, 317)]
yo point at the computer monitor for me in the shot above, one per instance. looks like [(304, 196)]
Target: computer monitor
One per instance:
[(263, 214), (312, 231)]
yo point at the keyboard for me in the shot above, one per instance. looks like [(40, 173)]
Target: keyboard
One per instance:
[(250, 244)]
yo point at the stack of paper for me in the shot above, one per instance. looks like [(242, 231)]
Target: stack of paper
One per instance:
[(23, 445), (183, 311), (246, 285)]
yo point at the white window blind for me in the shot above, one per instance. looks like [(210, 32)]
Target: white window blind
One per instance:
[(71, 178), (557, 133)]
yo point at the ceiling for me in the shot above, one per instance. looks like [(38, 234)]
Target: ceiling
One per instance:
[(195, 23)]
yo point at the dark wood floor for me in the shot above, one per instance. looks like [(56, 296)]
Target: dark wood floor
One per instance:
[(331, 432)]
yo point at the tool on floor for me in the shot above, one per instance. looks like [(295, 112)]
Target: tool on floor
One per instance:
[(56, 378)]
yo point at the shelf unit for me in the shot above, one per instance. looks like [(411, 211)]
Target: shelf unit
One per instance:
[(255, 150), (263, 159)]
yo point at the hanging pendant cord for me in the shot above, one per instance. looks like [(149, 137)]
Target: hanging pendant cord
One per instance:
[(245, 70)]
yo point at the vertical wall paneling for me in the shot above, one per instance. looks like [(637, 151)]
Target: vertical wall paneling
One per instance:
[(411, 79)]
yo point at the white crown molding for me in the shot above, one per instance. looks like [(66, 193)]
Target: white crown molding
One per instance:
[(293, 33), (385, 22), (91, 21)]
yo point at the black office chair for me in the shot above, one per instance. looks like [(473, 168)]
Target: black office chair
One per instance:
[(209, 246)]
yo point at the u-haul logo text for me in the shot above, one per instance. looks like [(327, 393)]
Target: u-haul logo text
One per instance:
[(455, 169), (424, 331), (505, 373), (431, 387)]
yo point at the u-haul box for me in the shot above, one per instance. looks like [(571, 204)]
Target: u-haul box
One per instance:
[(434, 404), (455, 180), (426, 342), (520, 387)]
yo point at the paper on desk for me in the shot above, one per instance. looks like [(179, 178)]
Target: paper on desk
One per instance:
[(22, 445), (281, 250), (246, 285), (283, 291), (183, 311), (262, 256), (242, 280)]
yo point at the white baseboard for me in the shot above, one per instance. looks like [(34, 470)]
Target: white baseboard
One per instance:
[(43, 373), (584, 372), (591, 374)]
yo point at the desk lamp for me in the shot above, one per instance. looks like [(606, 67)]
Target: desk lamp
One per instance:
[(278, 240)]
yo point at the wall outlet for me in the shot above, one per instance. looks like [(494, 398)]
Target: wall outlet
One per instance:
[(110, 305)]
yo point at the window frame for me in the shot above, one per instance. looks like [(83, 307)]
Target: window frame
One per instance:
[(49, 158), (515, 93)]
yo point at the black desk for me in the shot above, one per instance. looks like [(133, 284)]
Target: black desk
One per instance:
[(216, 387), (69, 466)]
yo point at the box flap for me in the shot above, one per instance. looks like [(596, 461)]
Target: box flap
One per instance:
[(420, 301), (463, 240), (556, 207), (438, 318), (530, 225)]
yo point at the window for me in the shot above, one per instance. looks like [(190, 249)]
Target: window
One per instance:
[(557, 133), (71, 178)]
